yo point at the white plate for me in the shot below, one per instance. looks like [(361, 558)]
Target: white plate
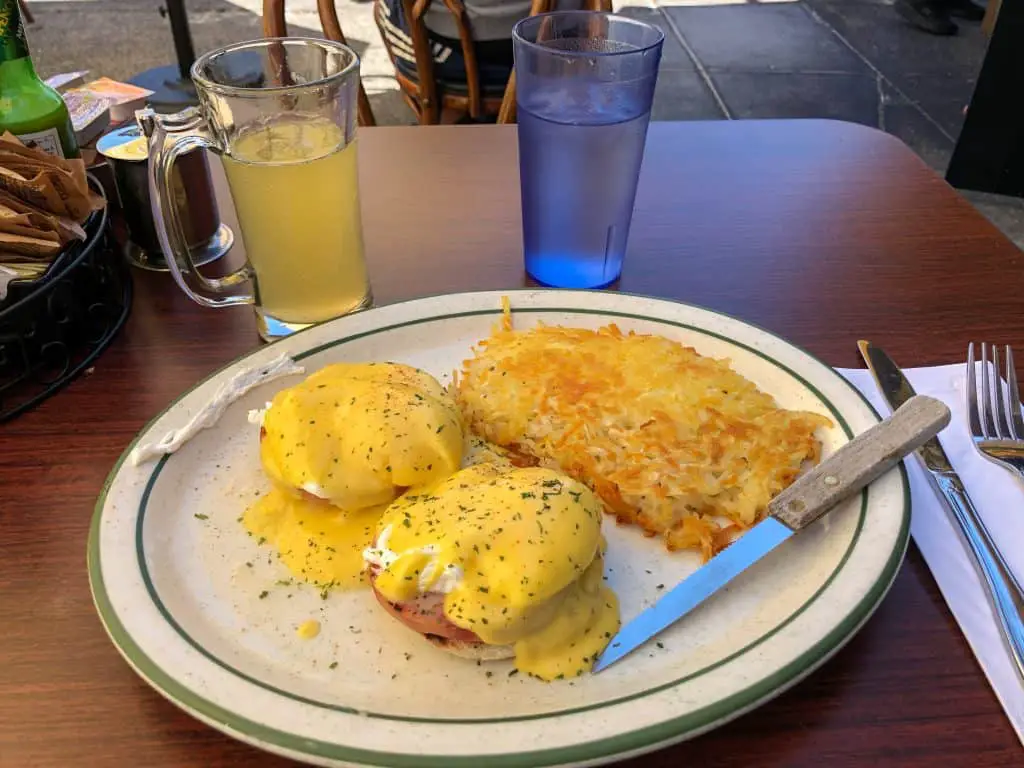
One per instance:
[(181, 604)]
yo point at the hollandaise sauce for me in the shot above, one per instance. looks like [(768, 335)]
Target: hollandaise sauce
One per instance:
[(357, 435), (528, 549), (319, 543)]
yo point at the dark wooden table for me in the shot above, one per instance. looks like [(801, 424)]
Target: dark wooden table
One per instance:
[(824, 232)]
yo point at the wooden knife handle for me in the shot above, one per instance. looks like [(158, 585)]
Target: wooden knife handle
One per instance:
[(859, 462)]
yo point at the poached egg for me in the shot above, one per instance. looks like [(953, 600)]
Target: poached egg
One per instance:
[(517, 554), (338, 447)]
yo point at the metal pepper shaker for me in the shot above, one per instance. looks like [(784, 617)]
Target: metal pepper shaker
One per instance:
[(127, 152)]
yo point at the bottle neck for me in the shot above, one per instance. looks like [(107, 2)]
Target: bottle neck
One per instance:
[(18, 71), (13, 45)]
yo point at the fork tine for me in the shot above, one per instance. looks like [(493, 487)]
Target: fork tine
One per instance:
[(999, 408), (987, 429), (972, 394), (1015, 418)]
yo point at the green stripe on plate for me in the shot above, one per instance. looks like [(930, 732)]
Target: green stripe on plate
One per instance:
[(640, 740)]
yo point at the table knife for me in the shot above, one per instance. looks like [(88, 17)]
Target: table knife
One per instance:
[(1005, 594), (847, 471)]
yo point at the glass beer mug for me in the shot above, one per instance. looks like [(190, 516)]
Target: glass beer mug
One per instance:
[(281, 113)]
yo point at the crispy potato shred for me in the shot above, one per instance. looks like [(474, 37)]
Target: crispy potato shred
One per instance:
[(672, 441)]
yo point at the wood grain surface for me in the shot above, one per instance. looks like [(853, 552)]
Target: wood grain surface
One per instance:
[(823, 232)]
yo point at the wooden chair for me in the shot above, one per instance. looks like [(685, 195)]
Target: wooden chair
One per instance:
[(507, 114), (274, 25), (432, 100), (988, 24)]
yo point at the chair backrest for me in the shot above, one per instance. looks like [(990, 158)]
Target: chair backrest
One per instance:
[(274, 25), (507, 113), (424, 95)]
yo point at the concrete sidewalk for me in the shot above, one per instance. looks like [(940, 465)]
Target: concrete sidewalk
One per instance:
[(723, 59)]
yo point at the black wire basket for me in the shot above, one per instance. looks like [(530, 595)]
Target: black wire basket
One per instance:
[(54, 327)]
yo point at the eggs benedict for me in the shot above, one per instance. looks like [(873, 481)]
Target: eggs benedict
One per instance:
[(323, 544), (338, 447), (357, 434), (498, 562)]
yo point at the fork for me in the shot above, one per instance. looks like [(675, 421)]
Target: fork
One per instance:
[(998, 432), (996, 424)]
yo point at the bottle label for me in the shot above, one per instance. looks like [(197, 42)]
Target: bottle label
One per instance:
[(48, 141), (13, 44)]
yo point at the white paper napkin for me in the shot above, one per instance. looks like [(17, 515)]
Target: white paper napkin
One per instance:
[(999, 498)]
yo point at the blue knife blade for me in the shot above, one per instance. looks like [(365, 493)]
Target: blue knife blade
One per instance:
[(695, 588)]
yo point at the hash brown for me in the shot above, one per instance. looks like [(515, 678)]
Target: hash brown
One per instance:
[(672, 441)]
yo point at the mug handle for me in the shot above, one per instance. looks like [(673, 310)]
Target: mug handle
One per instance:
[(170, 136)]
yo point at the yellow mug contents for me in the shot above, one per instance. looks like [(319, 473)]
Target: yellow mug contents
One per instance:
[(296, 192)]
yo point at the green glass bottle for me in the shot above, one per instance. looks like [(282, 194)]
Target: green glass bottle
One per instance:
[(29, 108)]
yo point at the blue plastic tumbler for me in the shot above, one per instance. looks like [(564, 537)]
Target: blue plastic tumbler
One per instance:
[(584, 87)]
